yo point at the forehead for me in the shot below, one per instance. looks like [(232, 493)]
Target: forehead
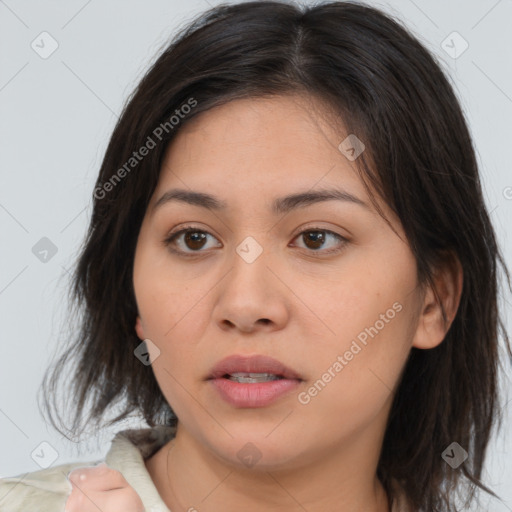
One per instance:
[(265, 143)]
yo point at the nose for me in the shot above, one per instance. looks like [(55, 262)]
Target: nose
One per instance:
[(251, 296)]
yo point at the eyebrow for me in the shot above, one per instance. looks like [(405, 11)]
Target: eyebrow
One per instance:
[(280, 205)]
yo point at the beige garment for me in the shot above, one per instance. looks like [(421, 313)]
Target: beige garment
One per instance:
[(47, 490)]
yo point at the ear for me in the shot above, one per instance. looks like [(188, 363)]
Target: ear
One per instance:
[(139, 329), (432, 328)]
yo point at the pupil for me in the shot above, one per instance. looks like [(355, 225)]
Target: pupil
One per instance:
[(317, 237), (193, 237)]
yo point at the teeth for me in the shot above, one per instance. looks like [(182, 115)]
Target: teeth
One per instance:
[(252, 378)]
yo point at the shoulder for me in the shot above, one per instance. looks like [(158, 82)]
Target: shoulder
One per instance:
[(45, 490)]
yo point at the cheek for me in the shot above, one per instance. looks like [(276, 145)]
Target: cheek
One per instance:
[(363, 301), (168, 301), (175, 314), (369, 317), (353, 382)]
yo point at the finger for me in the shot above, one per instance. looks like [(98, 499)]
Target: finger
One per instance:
[(97, 478), (125, 499)]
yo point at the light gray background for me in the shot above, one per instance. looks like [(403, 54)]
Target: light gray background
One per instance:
[(57, 114)]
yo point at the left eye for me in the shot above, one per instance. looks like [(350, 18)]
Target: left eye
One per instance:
[(315, 239), (195, 240)]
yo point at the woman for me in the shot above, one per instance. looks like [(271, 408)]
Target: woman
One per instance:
[(290, 273)]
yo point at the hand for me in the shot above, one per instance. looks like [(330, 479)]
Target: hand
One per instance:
[(101, 488)]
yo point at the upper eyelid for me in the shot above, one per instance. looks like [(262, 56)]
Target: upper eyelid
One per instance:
[(200, 229), (183, 230)]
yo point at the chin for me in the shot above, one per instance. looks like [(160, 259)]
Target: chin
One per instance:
[(258, 452)]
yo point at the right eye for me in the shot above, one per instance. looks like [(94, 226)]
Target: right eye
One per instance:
[(195, 239)]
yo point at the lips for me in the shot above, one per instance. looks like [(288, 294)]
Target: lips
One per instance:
[(247, 381), (252, 364)]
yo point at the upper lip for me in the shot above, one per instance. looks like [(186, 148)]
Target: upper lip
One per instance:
[(252, 364)]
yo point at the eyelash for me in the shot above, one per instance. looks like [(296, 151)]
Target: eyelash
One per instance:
[(195, 229)]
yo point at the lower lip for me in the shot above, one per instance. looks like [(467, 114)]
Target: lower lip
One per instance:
[(253, 394)]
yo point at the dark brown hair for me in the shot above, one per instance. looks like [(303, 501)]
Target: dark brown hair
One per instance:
[(390, 91)]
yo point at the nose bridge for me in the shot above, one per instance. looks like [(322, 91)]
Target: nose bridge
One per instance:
[(249, 292), (250, 249), (250, 263)]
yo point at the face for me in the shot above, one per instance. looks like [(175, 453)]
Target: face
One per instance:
[(325, 287)]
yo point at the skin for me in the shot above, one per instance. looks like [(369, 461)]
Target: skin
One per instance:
[(317, 456), (101, 488)]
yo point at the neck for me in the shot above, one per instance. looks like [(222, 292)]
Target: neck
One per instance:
[(190, 478)]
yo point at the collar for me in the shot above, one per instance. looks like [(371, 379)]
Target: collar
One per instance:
[(127, 453)]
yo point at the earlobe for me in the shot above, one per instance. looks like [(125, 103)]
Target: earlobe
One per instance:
[(139, 329), (432, 327)]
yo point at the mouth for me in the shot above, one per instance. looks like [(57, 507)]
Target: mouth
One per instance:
[(252, 381), (252, 378), (252, 369)]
